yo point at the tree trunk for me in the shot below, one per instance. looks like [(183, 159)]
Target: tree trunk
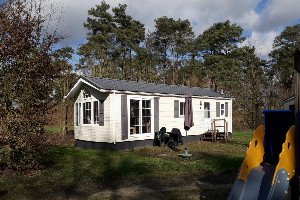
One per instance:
[(124, 65), (165, 68), (173, 63), (64, 109)]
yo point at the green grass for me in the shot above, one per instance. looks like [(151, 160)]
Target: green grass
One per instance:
[(56, 129), (72, 171)]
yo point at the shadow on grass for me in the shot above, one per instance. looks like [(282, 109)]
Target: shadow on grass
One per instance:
[(73, 173), (239, 142), (101, 169), (219, 163), (174, 149)]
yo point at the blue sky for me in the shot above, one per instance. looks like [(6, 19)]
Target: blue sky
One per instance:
[(262, 20)]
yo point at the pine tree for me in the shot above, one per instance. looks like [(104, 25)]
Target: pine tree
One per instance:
[(171, 40), (97, 52), (282, 59), (218, 46)]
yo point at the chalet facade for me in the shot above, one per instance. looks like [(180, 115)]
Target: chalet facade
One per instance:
[(117, 114)]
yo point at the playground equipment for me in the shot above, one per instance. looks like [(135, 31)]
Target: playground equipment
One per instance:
[(270, 161)]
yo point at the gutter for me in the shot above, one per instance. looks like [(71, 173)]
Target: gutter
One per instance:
[(114, 110)]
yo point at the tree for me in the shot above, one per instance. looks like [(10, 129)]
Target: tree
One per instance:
[(129, 34), (252, 86), (218, 46), (171, 39), (65, 80), (144, 64), (113, 41), (26, 83), (282, 58), (97, 51)]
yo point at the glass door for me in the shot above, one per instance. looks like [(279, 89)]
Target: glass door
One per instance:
[(146, 116), (140, 116)]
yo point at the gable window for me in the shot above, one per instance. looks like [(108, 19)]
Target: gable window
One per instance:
[(140, 112), (181, 108), (86, 93), (206, 110)]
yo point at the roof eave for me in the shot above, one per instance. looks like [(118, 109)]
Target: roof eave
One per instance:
[(75, 89)]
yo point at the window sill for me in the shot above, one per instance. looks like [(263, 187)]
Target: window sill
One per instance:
[(141, 135), (85, 125)]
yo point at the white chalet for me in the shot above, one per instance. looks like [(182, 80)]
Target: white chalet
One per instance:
[(117, 114)]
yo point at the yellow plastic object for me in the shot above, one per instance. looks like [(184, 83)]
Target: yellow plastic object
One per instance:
[(287, 158), (255, 153)]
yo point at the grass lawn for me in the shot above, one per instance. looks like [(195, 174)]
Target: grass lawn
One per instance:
[(74, 173), (56, 129)]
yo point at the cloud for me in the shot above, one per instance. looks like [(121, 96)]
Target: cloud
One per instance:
[(262, 26), (278, 14), (262, 41)]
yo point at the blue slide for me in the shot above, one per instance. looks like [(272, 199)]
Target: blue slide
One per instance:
[(258, 185)]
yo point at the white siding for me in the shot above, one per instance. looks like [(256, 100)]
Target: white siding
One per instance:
[(112, 131), (166, 114), (94, 132), (287, 104), (115, 124)]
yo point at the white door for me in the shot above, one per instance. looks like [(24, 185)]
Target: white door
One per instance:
[(206, 116)]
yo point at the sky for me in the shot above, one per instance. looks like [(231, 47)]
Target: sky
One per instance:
[(262, 20)]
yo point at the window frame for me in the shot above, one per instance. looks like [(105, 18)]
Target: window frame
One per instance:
[(208, 116), (98, 112), (85, 110), (141, 116), (80, 111), (181, 102), (222, 109)]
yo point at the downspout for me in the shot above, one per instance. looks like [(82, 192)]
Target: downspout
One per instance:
[(231, 114), (114, 110)]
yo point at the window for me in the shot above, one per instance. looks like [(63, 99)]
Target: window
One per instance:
[(90, 111), (181, 108), (146, 116), (222, 109), (206, 110), (87, 112), (96, 112), (77, 114), (86, 93), (140, 112)]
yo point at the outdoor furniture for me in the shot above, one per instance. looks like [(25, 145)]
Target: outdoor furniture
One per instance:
[(171, 139), (215, 134)]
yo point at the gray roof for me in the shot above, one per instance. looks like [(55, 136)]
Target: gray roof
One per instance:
[(133, 86)]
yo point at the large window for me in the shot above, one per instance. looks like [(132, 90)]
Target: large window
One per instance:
[(206, 110), (140, 116), (89, 111)]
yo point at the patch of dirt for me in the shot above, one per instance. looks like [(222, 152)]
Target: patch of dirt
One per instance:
[(175, 187)]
